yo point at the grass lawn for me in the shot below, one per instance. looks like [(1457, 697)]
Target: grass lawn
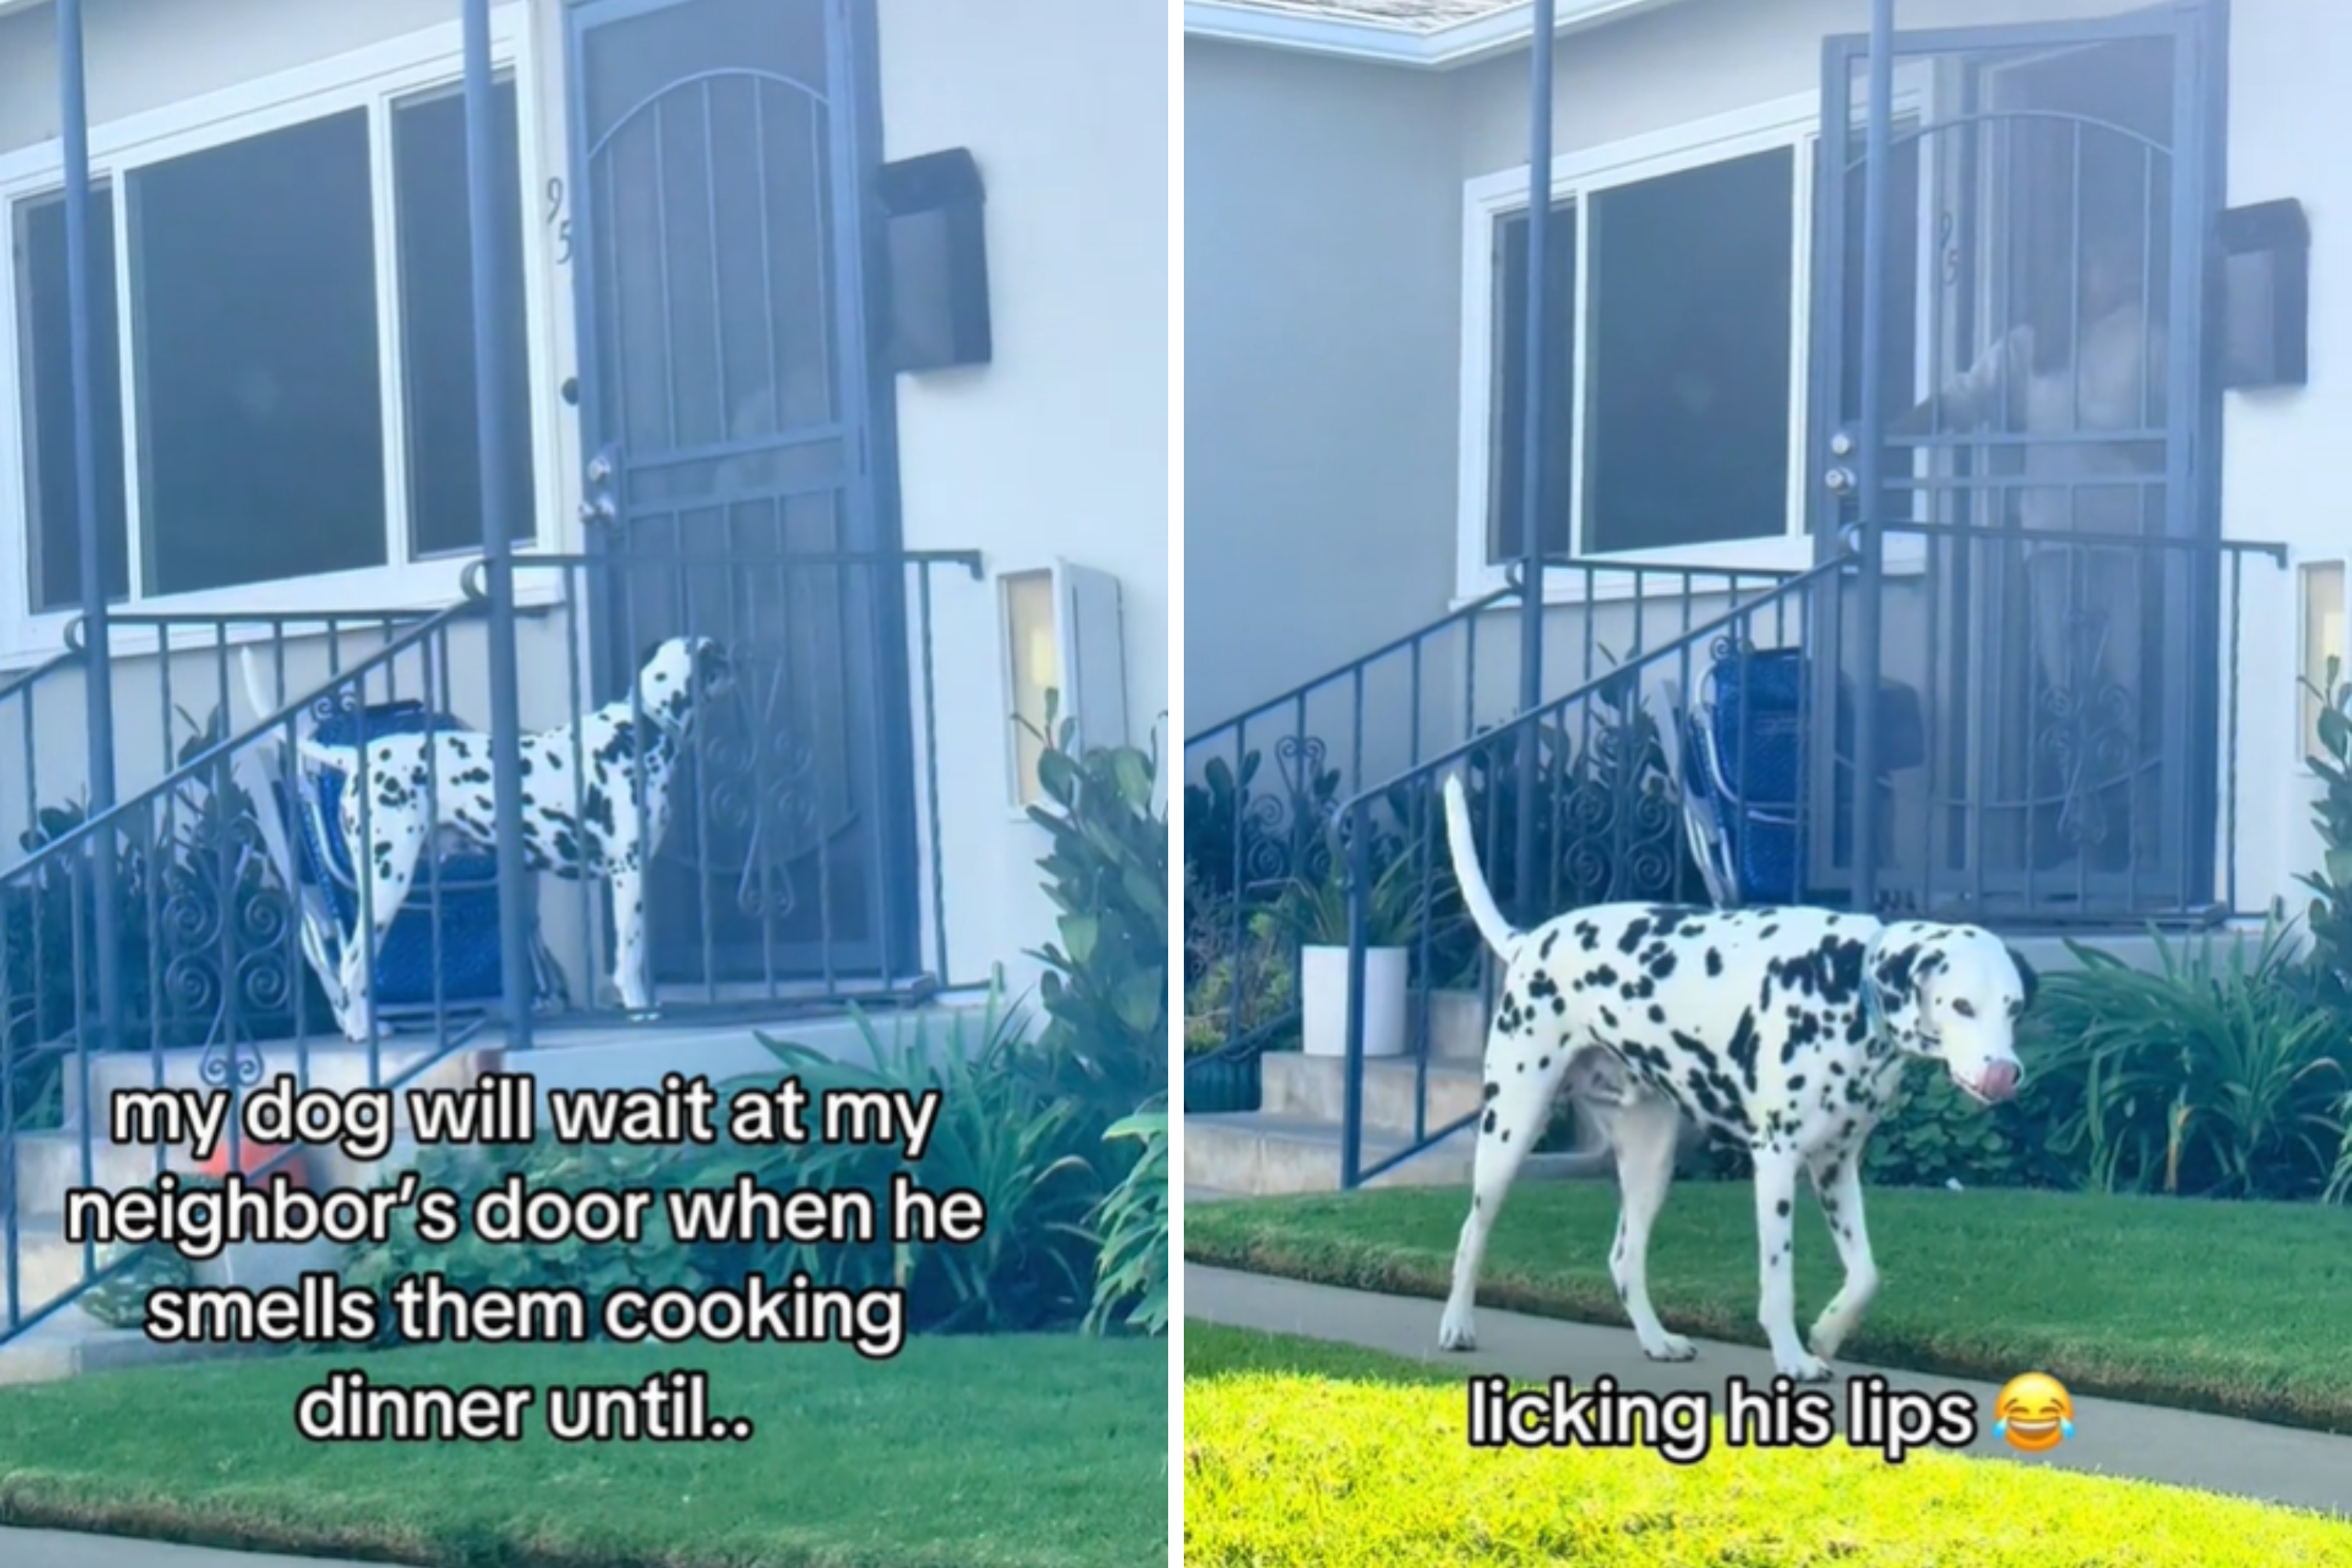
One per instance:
[(1301, 1452), (969, 1452), (2235, 1308)]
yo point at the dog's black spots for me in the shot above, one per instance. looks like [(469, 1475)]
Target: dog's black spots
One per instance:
[(1601, 975), (1588, 935), (1714, 963), (1559, 1005), (1742, 1049), (1487, 1125), (1507, 1135), (1631, 938), (1643, 989), (1477, 1200), (1544, 951), (1796, 1081), (1518, 1067), (1770, 931), (1837, 1068), (1842, 964), (1492, 1090), (1608, 1017), (1781, 1208), (1663, 967), (1543, 1064), (1543, 985), (1657, 1014)]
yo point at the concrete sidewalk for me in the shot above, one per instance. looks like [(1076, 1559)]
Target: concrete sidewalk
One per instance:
[(2215, 1453), (54, 1549)]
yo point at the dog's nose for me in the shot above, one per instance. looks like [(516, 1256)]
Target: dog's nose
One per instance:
[(1999, 1080)]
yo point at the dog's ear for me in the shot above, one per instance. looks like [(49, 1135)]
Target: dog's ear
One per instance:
[(2025, 975), (646, 656)]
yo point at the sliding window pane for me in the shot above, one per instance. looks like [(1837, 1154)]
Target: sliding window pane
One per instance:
[(52, 495)]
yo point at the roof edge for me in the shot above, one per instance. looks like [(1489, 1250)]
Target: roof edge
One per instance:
[(1445, 47)]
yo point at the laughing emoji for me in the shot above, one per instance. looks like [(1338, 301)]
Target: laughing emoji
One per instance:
[(2033, 1412)]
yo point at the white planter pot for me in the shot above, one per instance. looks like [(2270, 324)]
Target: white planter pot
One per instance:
[(1323, 1000)]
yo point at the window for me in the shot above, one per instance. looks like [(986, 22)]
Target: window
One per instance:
[(1673, 425), (259, 448), (1690, 310)]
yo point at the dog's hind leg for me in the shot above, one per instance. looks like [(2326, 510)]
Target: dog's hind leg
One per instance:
[(1523, 1072), (1837, 1178), (386, 869), (1776, 1195), (1645, 1130)]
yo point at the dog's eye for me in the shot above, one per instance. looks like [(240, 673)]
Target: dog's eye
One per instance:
[(1965, 1008)]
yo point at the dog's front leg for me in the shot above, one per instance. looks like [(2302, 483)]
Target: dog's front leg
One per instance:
[(1837, 1178), (1776, 1195), (629, 955)]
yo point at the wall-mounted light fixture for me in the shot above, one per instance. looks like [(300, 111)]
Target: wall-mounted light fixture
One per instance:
[(2266, 295), (1063, 636), (933, 308), (2323, 593)]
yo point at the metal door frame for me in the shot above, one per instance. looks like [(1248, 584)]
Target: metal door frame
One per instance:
[(2198, 31), (870, 497)]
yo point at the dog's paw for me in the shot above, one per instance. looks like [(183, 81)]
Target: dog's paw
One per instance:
[(1804, 1368), (1458, 1332), (1670, 1347)]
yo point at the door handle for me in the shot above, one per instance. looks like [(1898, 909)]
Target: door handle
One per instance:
[(600, 505)]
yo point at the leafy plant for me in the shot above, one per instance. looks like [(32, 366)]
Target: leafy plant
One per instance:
[(1936, 1136), (1237, 982), (661, 1260), (1399, 902), (999, 1131), (2330, 917), (1106, 987), (2208, 1078), (1131, 1224), (1240, 841)]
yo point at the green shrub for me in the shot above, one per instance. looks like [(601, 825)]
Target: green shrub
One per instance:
[(1131, 1226), (1000, 1131), (2211, 1077), (471, 1264), (1937, 1136), (1235, 987), (1105, 990)]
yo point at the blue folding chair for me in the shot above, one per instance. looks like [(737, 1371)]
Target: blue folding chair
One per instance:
[(410, 985)]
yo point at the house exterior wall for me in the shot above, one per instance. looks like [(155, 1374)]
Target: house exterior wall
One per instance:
[(1322, 285), (1666, 69), (1058, 449)]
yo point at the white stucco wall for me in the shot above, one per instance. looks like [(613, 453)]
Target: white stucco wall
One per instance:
[(1322, 285), (1059, 448)]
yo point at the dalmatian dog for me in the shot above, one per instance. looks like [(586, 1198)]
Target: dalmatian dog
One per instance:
[(1785, 1030), (582, 815)]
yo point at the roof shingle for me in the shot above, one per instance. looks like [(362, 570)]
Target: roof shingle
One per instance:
[(1405, 16)]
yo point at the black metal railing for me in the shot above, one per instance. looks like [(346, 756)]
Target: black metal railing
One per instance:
[(762, 728), (1256, 850)]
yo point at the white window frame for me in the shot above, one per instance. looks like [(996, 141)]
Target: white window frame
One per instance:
[(1793, 123), (374, 78)]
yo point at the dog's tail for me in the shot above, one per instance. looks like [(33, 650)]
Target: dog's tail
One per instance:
[(1462, 841)]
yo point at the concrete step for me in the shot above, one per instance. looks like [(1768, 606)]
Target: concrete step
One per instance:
[(49, 1165), (1457, 1026), (47, 1266), (73, 1342), (1315, 1088), (1255, 1152)]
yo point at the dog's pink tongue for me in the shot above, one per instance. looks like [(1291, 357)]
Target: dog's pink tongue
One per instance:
[(1999, 1080)]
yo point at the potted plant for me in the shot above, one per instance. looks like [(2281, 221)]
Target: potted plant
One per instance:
[(1317, 910)]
